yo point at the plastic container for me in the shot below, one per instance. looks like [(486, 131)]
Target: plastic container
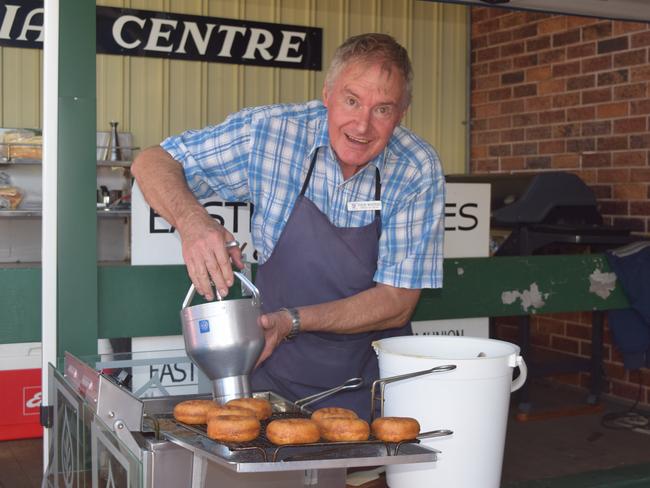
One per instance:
[(471, 400)]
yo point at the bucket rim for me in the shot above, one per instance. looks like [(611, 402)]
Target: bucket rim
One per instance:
[(377, 346)]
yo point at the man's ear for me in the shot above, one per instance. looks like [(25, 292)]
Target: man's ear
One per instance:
[(325, 95)]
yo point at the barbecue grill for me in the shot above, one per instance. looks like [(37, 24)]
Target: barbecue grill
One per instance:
[(102, 431), (529, 213)]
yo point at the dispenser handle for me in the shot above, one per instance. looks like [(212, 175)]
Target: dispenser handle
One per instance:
[(247, 283)]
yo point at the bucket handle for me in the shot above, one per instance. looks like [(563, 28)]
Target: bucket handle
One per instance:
[(245, 281), (523, 374), (382, 382)]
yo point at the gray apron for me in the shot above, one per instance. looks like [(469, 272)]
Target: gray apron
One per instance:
[(315, 262)]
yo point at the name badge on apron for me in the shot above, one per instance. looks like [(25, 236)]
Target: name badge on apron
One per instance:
[(362, 206)]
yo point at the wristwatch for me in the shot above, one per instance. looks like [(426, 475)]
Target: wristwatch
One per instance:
[(295, 323)]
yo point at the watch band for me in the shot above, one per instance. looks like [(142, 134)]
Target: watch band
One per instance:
[(295, 323)]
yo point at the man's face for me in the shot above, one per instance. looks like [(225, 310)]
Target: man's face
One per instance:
[(365, 104)]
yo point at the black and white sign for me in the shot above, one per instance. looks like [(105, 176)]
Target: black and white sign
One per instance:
[(176, 36)]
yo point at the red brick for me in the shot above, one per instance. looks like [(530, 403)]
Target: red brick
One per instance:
[(581, 145), (630, 58), (613, 77), (513, 164), (512, 107), (580, 113), (525, 32), (500, 65), (552, 56), (597, 160), (581, 50), (502, 122), (625, 27), (478, 151), (599, 128), (565, 161), (488, 137), (567, 37), (640, 73), (616, 109), (479, 97), (539, 73), (500, 150), (612, 143), (524, 119), (535, 133), (521, 91), (552, 24), (538, 162), (500, 94), (551, 86), (485, 27), (613, 45), (614, 175), (624, 126), (630, 191), (597, 31), (598, 95), (625, 92), (524, 149), (575, 21), (538, 43), (479, 69), (552, 116), (487, 82), (639, 107), (566, 69), (479, 42), (512, 49), (581, 82), (511, 78), (499, 37), (631, 159), (566, 130), (536, 104), (486, 165), (552, 147), (635, 224), (512, 135), (487, 54), (640, 39), (639, 174), (578, 331), (564, 344), (525, 61), (640, 141), (597, 63), (566, 100), (611, 207), (640, 208), (512, 19)]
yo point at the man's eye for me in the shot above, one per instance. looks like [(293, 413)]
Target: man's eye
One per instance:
[(383, 110), (350, 101)]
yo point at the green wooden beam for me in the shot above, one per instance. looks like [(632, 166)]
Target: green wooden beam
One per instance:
[(77, 180), (137, 301)]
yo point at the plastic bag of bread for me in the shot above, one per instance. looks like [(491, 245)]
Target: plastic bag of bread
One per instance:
[(10, 196), (21, 144)]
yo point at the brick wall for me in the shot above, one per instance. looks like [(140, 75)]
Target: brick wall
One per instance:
[(555, 92)]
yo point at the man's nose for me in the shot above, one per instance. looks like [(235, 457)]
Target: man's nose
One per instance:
[(363, 119)]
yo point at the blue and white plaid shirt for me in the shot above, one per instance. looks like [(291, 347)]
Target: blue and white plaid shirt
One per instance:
[(262, 154)]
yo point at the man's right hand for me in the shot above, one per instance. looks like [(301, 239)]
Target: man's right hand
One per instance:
[(206, 256)]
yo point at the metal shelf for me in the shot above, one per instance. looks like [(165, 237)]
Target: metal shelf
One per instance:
[(38, 213)]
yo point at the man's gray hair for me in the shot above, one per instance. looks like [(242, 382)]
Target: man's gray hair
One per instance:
[(372, 47)]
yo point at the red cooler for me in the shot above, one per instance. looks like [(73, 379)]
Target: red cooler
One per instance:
[(21, 401)]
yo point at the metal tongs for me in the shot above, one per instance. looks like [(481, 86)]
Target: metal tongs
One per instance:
[(351, 384)]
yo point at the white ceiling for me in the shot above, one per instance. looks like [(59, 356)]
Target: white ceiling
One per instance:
[(635, 10)]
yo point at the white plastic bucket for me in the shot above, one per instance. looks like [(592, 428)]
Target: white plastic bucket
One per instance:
[(471, 400)]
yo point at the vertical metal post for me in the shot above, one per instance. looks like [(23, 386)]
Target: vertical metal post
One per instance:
[(77, 180)]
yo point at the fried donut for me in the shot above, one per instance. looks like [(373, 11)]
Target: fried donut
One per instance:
[(233, 428), (340, 429), (330, 412), (193, 411), (395, 429), (292, 431), (220, 411), (260, 406)]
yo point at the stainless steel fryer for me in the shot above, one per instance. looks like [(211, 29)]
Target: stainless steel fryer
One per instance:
[(128, 441)]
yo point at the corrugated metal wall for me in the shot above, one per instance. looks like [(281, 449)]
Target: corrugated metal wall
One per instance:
[(153, 98)]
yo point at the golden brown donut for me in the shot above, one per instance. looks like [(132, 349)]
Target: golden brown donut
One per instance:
[(226, 410), (395, 429), (340, 429), (261, 406), (193, 411), (233, 428), (292, 431), (329, 412)]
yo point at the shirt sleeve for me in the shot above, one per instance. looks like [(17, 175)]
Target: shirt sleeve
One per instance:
[(411, 248), (215, 159)]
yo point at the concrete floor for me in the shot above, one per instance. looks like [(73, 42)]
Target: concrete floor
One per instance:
[(535, 450)]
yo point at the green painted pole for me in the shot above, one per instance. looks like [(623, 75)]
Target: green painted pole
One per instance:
[(77, 180)]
